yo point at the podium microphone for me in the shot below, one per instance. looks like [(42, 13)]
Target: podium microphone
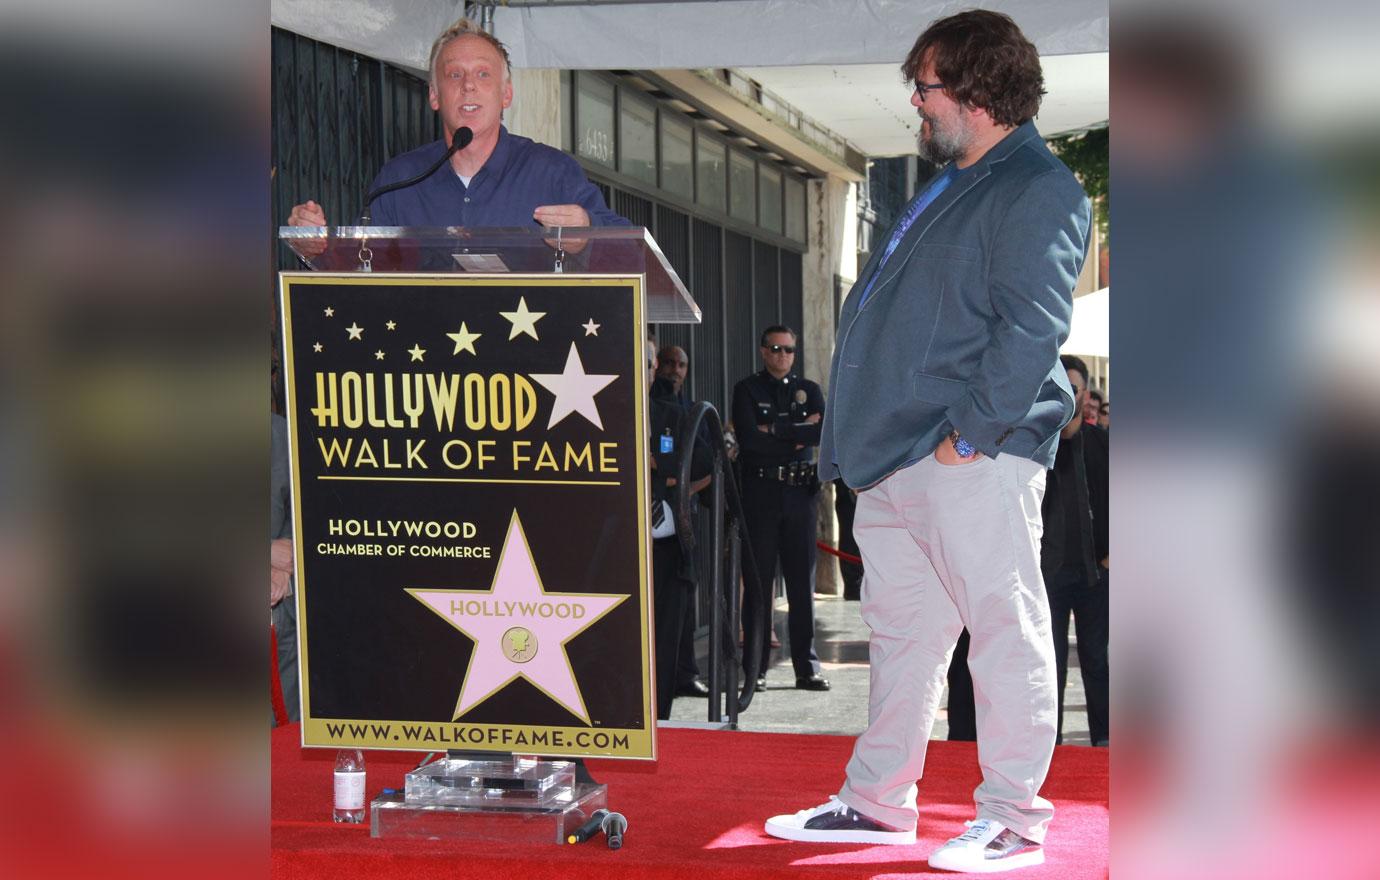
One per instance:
[(458, 142), (614, 825), (589, 829)]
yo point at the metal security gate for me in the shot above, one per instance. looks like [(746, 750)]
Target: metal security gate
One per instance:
[(337, 117)]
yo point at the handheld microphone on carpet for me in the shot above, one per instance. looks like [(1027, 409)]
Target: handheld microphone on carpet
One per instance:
[(458, 142), (589, 829), (614, 825)]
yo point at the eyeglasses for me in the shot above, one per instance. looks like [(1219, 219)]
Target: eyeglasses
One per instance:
[(922, 88), (777, 349)]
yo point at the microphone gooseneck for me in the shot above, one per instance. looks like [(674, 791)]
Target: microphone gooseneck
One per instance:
[(458, 142)]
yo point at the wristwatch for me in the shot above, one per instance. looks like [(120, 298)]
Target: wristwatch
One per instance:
[(961, 446)]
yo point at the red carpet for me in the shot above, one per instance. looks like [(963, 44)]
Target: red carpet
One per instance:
[(696, 813)]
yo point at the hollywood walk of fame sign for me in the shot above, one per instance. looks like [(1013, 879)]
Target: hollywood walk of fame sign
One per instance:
[(469, 478)]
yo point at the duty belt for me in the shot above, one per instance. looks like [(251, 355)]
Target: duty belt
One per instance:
[(796, 473)]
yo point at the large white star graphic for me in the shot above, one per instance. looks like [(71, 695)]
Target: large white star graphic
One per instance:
[(516, 600), (574, 390), (523, 321)]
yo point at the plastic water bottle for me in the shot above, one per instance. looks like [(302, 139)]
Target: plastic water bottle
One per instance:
[(349, 786)]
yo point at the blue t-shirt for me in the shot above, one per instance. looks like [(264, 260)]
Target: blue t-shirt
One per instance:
[(917, 206), (519, 176)]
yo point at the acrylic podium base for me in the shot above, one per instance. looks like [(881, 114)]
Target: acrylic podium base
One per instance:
[(516, 799)]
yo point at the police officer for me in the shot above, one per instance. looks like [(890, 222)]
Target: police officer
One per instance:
[(777, 414)]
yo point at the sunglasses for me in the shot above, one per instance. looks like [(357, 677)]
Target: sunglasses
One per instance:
[(777, 349)]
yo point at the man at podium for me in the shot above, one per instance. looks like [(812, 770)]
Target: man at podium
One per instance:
[(498, 178)]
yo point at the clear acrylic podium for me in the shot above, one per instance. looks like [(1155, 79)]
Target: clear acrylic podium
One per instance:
[(468, 795), (463, 796), (602, 250)]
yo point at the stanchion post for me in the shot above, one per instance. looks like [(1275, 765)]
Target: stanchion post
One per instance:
[(735, 547), (716, 546)]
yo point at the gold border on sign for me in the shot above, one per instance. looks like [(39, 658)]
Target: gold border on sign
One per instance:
[(314, 731)]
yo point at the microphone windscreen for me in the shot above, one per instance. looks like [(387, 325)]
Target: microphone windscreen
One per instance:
[(615, 825), (463, 136)]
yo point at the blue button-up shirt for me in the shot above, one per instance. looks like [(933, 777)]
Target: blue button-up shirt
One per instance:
[(519, 176)]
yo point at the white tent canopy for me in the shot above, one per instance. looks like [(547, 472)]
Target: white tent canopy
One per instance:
[(681, 34), (835, 60), (685, 34), (1091, 330)]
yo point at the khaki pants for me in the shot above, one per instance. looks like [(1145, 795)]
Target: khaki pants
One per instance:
[(944, 547)]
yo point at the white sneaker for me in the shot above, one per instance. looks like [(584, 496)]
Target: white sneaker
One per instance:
[(834, 822), (986, 847)]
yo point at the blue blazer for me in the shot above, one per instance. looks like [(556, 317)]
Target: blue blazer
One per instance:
[(963, 326)]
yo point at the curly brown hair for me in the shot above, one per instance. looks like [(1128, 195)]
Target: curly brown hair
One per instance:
[(984, 61)]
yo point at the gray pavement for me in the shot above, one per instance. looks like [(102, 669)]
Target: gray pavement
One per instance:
[(841, 641)]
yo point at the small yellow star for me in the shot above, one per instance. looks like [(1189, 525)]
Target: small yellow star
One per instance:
[(416, 351), (378, 355), (355, 331), (464, 340), (330, 312), (522, 320), (316, 348), (391, 325)]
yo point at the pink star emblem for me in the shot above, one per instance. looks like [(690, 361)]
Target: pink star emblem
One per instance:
[(519, 629)]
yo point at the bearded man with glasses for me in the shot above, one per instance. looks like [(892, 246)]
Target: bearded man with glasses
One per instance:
[(946, 402)]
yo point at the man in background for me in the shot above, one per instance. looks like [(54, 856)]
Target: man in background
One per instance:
[(1092, 406), (1074, 555), (672, 589), (672, 366), (1074, 565)]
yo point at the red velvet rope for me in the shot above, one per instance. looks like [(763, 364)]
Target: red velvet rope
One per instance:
[(275, 686), (834, 551)]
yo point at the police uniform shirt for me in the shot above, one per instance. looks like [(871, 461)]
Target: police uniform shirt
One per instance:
[(783, 405)]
